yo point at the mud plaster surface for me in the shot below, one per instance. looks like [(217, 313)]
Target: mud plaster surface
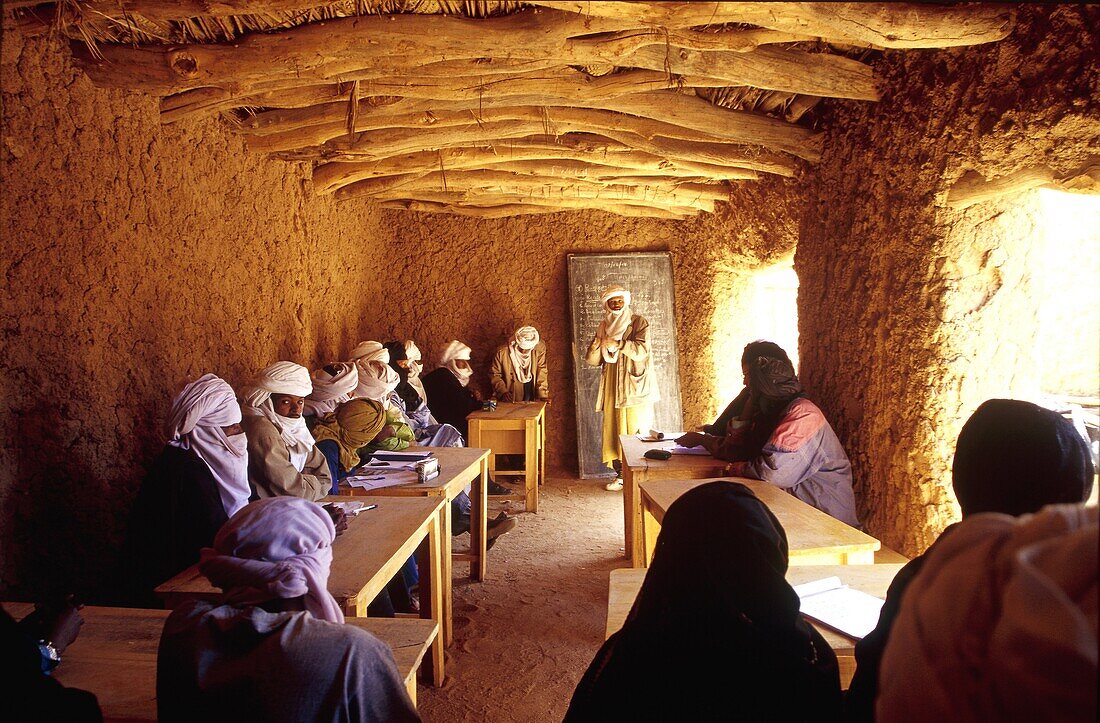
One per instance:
[(138, 257), (910, 314)]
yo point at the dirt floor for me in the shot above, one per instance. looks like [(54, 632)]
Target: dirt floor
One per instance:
[(524, 636)]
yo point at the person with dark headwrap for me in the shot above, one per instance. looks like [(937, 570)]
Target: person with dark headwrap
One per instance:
[(1012, 457), (771, 432), (407, 397), (275, 646), (715, 633)]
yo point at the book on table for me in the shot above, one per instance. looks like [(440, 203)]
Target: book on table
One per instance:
[(832, 603)]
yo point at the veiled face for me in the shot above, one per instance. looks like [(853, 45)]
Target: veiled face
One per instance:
[(288, 405), (462, 364), (233, 429), (616, 303)]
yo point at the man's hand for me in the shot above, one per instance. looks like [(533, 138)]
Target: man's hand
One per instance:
[(339, 517), (691, 439)]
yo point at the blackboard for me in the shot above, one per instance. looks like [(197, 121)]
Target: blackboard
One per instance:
[(648, 277)]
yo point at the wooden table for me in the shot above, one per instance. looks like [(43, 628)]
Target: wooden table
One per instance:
[(813, 537), (364, 559), (514, 428), (871, 579), (458, 466), (115, 655), (638, 469)]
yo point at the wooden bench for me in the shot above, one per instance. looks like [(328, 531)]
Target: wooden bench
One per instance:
[(514, 428), (364, 559), (813, 537), (871, 579), (115, 655)]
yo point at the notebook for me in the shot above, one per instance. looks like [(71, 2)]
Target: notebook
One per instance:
[(844, 609)]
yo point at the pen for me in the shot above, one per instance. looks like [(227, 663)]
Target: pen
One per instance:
[(368, 507)]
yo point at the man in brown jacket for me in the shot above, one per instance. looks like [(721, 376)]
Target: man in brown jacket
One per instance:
[(518, 372)]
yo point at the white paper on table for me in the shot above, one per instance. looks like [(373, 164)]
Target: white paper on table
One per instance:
[(374, 482), (384, 466), (832, 603), (652, 436), (699, 451), (351, 507), (386, 456)]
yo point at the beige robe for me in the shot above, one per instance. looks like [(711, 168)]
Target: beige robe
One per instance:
[(269, 469), (502, 375), (628, 387)]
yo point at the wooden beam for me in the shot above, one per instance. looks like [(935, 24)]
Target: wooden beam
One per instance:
[(708, 153), (330, 176), (328, 51), (293, 93), (686, 194), (507, 210), (885, 25), (973, 188), (481, 197), (666, 113)]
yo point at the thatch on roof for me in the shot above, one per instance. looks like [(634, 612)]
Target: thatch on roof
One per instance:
[(495, 108)]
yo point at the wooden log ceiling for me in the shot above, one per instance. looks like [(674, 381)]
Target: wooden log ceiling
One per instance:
[(494, 109)]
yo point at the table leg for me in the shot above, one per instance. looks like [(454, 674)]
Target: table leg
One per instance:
[(650, 529), (542, 448), (479, 522), (630, 490), (445, 569), (531, 466), (430, 559)]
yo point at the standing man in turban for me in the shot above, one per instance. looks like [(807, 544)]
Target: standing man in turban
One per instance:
[(518, 372), (628, 386), (198, 481), (773, 433), (274, 648), (283, 458), (450, 396)]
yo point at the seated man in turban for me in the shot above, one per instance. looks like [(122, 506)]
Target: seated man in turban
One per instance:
[(781, 437), (333, 385), (199, 479), (274, 648), (377, 381), (283, 458), (518, 372), (450, 396), (1012, 457), (427, 431)]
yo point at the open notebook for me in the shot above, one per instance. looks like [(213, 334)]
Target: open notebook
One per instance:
[(844, 609)]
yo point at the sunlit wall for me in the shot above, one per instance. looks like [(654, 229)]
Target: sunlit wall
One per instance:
[(750, 305)]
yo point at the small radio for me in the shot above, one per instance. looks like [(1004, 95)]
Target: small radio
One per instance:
[(427, 469)]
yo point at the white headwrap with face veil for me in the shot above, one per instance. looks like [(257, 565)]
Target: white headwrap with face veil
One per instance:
[(615, 323), (453, 352), (195, 423), (331, 390), (525, 339), (282, 377)]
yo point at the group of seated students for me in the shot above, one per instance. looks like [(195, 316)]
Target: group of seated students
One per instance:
[(293, 433), (997, 621)]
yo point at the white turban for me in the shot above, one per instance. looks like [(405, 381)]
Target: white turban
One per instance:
[(1000, 623), (526, 338), (369, 349), (412, 352), (614, 324), (454, 351), (195, 423), (275, 548), (331, 390), (377, 379), (519, 351), (283, 377)]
